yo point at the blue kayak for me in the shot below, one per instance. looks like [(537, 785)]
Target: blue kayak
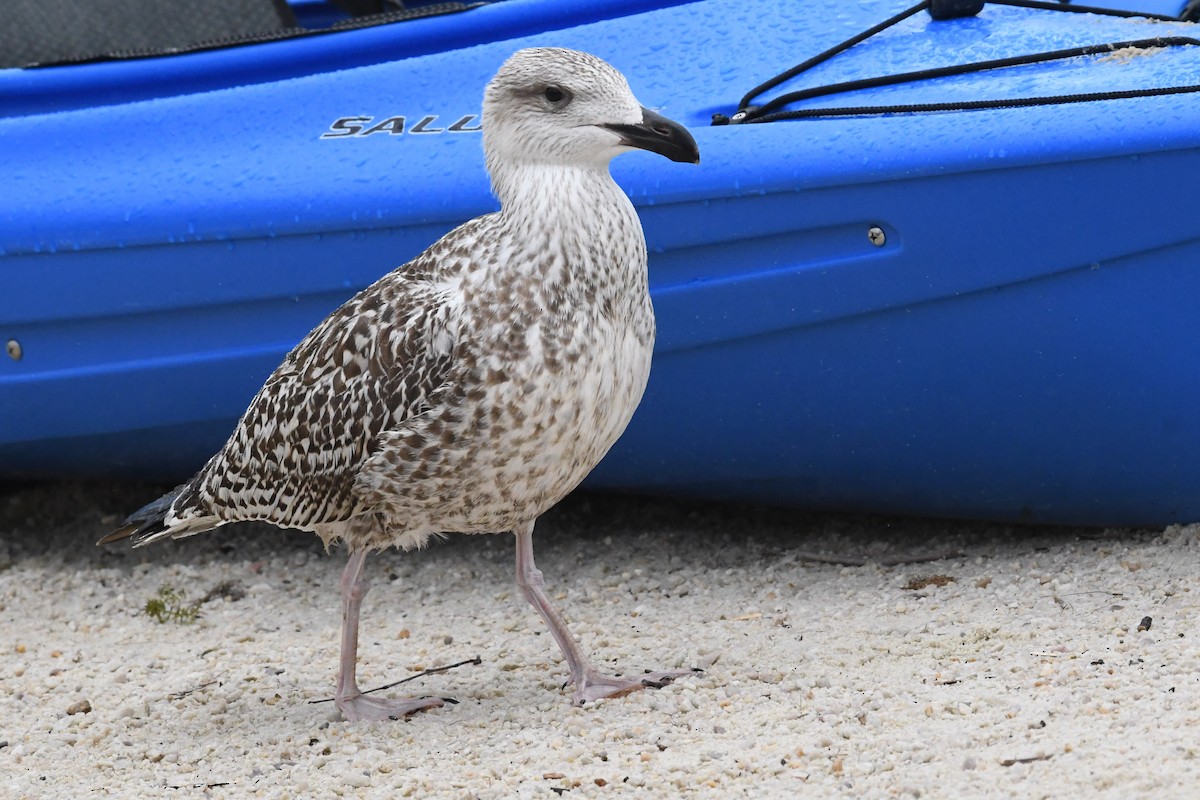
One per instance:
[(966, 292)]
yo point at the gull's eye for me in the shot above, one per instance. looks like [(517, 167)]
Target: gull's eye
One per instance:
[(556, 96)]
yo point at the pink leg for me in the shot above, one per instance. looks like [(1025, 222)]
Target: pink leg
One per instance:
[(349, 699), (590, 684)]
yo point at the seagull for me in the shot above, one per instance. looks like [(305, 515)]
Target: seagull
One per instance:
[(471, 389)]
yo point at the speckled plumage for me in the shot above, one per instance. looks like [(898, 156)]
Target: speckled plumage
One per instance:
[(472, 388), (467, 391)]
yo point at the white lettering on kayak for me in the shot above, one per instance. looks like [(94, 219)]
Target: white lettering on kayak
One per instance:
[(359, 126)]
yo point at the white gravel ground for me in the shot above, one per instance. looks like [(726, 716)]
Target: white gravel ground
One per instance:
[(1024, 676)]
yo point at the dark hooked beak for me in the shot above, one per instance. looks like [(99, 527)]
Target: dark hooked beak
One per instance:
[(659, 135)]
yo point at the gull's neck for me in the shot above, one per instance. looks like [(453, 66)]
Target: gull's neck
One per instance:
[(559, 194), (580, 239)]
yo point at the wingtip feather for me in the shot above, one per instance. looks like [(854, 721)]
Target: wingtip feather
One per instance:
[(124, 532), (146, 524)]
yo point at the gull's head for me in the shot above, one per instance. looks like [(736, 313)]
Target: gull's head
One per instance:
[(551, 106)]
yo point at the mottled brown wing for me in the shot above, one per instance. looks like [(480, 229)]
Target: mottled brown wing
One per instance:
[(369, 366)]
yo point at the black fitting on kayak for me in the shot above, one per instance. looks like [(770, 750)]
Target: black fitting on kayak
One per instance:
[(741, 116), (953, 9)]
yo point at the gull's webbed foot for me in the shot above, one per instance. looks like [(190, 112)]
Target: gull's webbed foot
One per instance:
[(362, 707), (594, 685)]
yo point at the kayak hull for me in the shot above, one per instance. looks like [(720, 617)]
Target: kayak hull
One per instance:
[(985, 314)]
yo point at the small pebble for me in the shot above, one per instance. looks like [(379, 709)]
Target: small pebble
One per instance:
[(82, 707)]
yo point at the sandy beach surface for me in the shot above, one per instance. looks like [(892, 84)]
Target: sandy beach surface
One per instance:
[(1028, 662)]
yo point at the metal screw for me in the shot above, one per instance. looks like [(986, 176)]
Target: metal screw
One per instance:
[(877, 236), (13, 348)]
